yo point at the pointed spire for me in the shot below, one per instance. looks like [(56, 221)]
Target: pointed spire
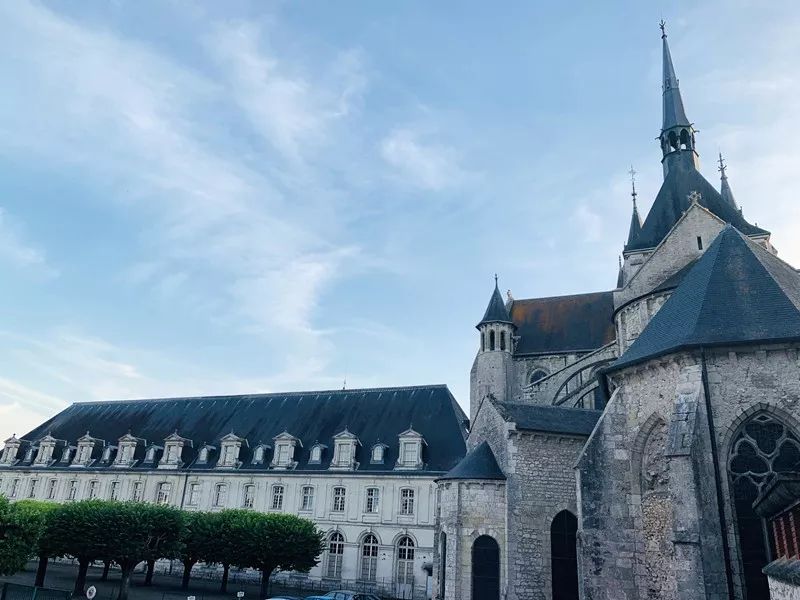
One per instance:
[(636, 221), (496, 311), (725, 187), (674, 114)]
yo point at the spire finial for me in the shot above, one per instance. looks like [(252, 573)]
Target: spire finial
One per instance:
[(495, 279), (632, 173), (662, 24), (722, 166)]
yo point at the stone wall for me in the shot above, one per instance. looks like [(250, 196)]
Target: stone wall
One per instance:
[(780, 590)]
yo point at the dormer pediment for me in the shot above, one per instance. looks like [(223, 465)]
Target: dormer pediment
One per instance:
[(411, 434), (176, 437), (232, 437), (346, 435), (285, 436)]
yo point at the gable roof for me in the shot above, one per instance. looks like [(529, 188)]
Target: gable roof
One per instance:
[(372, 414), (673, 200), (479, 463), (736, 292), (579, 322), (550, 419)]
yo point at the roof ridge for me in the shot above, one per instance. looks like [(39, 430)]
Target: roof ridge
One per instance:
[(259, 395), (563, 296)]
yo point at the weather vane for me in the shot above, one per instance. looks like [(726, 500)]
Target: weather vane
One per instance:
[(632, 173), (722, 165), (663, 25)]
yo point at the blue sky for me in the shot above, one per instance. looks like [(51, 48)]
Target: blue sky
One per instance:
[(206, 198)]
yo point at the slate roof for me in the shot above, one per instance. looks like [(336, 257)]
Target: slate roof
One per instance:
[(496, 311), (737, 292), (550, 419), (673, 111), (780, 494), (581, 322), (376, 415), (636, 226), (479, 463), (673, 200)]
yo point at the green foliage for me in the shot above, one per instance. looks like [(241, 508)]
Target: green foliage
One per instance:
[(140, 532), (46, 510), (76, 529), (20, 530)]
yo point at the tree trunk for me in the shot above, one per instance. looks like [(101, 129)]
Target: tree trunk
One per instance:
[(41, 570), (80, 582), (265, 574), (148, 578), (106, 567), (187, 573), (124, 583), (224, 587)]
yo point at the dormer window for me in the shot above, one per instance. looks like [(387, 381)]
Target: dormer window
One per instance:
[(106, 456), (173, 451), (126, 453), (315, 457), (410, 456), (283, 458), (86, 445), (10, 450), (229, 456), (376, 456), (66, 456), (150, 454), (259, 454), (46, 447), (205, 452), (344, 451)]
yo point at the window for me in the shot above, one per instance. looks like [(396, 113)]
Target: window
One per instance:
[(316, 454), (373, 500), (91, 490), (537, 375), (307, 498), (564, 556), (249, 495), (220, 493), (405, 561), (14, 488), (338, 499), (443, 567), (486, 569), (202, 456), (194, 494), (45, 453), (137, 492), (72, 490), (369, 558), (51, 489), (410, 453), (151, 454), (699, 243), (163, 493), (406, 501), (258, 455), (107, 454), (502, 340), (483, 341), (84, 454), (377, 453), (335, 553), (283, 455), (32, 488), (277, 497), (172, 454), (345, 454), (491, 340), (113, 491)]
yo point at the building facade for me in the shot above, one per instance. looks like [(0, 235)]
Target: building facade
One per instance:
[(620, 439), (360, 463)]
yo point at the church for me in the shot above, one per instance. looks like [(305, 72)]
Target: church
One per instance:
[(619, 440), (637, 443)]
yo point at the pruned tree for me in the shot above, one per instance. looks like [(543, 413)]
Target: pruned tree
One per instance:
[(77, 529), (44, 548), (20, 530), (223, 547), (198, 542)]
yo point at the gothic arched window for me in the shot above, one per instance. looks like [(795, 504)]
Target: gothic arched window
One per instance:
[(491, 340), (485, 569), (763, 447), (564, 556), (502, 340)]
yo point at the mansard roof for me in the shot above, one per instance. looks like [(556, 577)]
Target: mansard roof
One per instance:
[(579, 322), (313, 417), (479, 463), (736, 292), (550, 419), (673, 200)]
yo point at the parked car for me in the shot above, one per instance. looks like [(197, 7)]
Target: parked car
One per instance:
[(346, 595)]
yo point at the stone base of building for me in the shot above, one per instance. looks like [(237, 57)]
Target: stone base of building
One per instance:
[(783, 575)]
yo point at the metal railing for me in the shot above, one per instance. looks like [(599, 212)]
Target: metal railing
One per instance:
[(16, 591)]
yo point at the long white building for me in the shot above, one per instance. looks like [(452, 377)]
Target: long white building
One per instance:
[(360, 463)]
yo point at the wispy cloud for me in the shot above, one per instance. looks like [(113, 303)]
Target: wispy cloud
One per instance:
[(16, 251), (422, 162)]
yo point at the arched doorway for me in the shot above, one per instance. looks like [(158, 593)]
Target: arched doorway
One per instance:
[(763, 447), (485, 569), (564, 556), (443, 564)]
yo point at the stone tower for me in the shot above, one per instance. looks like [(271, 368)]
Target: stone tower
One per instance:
[(492, 370)]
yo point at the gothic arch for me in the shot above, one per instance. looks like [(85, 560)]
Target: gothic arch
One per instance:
[(564, 556), (761, 445), (641, 440)]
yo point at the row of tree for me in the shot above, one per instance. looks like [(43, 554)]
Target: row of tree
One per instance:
[(129, 533)]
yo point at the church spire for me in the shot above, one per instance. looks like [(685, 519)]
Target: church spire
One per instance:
[(677, 132), (725, 188), (496, 311), (636, 220)]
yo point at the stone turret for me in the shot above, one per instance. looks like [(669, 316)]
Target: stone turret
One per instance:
[(492, 369)]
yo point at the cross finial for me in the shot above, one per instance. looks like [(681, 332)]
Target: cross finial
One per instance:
[(695, 197), (663, 26), (495, 279), (632, 173), (722, 166)]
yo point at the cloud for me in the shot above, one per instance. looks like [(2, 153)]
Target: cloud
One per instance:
[(422, 163), (18, 253)]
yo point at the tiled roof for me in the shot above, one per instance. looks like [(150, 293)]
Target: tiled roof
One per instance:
[(736, 292), (479, 463), (550, 419), (581, 322), (374, 415)]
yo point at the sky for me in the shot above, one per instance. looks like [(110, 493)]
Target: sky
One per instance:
[(203, 198)]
